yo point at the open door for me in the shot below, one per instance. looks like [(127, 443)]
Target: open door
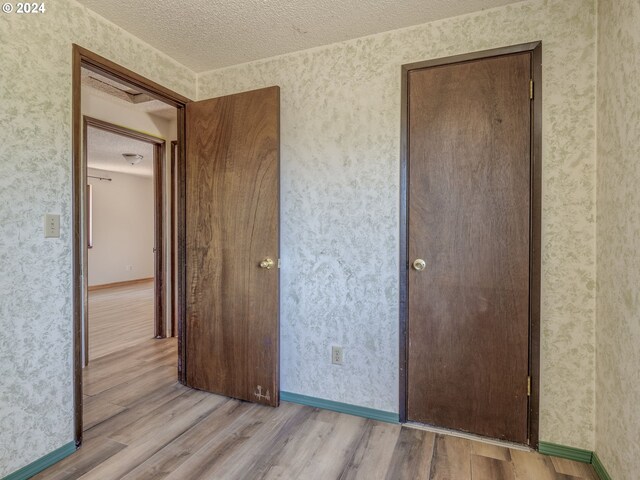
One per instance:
[(232, 148)]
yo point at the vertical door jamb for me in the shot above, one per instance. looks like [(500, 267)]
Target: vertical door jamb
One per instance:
[(172, 234), (159, 296)]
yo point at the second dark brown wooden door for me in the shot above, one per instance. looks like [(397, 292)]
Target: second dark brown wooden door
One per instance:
[(469, 220), (232, 245)]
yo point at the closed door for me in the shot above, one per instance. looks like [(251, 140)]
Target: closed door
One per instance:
[(232, 245), (469, 210)]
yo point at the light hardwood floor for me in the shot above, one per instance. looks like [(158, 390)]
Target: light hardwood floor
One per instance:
[(120, 317), (141, 424)]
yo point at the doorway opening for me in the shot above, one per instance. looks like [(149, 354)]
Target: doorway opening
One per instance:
[(125, 236), (145, 287), (226, 236)]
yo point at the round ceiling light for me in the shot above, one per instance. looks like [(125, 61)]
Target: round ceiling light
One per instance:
[(132, 158)]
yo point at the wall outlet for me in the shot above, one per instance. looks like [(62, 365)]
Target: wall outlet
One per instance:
[(128, 268), (337, 355)]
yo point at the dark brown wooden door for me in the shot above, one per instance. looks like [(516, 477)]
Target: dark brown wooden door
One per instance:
[(232, 245), (469, 218)]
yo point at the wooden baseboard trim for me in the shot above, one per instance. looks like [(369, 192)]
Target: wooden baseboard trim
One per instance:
[(340, 407), (120, 284), (43, 463)]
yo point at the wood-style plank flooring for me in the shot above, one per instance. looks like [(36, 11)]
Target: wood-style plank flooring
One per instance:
[(120, 317), (141, 424)]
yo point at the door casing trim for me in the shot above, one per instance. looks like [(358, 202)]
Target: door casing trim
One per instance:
[(173, 168), (535, 224), (83, 58)]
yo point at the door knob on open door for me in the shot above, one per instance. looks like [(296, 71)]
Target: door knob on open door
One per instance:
[(419, 264), (267, 263)]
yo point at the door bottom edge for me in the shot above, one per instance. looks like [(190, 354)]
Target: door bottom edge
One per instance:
[(468, 436)]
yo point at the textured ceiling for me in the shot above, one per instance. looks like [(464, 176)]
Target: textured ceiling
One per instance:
[(105, 149), (204, 34)]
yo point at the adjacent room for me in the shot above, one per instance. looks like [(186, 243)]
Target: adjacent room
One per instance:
[(121, 239), (320, 240)]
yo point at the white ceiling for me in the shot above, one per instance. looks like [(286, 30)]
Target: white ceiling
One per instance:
[(105, 149), (205, 34)]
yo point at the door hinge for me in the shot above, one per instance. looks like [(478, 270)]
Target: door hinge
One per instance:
[(531, 89), (278, 263), (528, 386)]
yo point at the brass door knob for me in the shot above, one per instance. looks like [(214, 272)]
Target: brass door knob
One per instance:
[(419, 264), (267, 263)]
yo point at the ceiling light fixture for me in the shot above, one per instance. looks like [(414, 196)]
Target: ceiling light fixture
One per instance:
[(132, 158)]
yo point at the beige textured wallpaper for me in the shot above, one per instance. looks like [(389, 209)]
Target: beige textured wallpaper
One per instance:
[(36, 407), (618, 297), (340, 170)]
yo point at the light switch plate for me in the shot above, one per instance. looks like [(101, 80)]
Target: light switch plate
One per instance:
[(337, 355), (51, 225)]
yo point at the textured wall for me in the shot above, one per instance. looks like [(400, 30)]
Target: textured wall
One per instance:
[(618, 298), (340, 170), (36, 407)]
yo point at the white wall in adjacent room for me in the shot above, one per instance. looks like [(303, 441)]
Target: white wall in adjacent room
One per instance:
[(122, 228)]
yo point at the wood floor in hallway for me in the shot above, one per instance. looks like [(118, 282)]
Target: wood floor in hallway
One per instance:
[(141, 424), (120, 317)]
